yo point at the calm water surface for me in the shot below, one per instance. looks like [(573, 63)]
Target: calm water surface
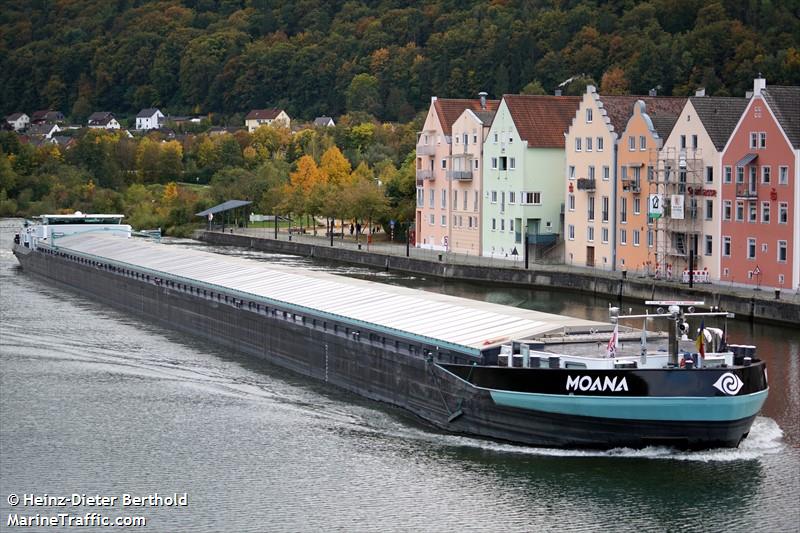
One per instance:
[(95, 401)]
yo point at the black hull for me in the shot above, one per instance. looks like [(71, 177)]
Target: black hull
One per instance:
[(375, 368)]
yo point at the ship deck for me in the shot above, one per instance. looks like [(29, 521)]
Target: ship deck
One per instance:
[(467, 325)]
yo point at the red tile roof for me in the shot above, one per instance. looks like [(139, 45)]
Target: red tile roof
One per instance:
[(449, 109), (542, 120), (620, 108), (263, 114)]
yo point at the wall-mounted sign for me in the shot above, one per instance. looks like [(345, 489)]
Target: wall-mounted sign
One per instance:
[(655, 206), (676, 206)]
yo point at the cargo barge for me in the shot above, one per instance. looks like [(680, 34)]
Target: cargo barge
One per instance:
[(464, 366)]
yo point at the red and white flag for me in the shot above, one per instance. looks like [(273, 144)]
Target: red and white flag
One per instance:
[(613, 342)]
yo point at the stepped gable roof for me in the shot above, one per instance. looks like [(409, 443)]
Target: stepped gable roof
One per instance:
[(449, 109), (263, 114), (147, 112), (784, 101), (619, 110), (719, 116), (542, 120)]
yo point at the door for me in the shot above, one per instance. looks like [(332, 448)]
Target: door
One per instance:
[(590, 256)]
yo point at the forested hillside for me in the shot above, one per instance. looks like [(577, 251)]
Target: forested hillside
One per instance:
[(328, 57)]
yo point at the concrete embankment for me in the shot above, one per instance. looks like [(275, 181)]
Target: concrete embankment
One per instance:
[(756, 305)]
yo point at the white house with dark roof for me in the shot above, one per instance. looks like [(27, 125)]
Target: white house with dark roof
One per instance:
[(149, 119), (103, 120), (45, 131), (260, 117), (325, 122), (18, 121), (47, 115)]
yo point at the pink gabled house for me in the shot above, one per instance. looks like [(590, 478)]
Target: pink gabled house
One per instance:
[(760, 226), (447, 174)]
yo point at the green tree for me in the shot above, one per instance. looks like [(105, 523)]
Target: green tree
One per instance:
[(363, 94)]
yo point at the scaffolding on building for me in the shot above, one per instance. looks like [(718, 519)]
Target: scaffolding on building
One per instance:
[(676, 176)]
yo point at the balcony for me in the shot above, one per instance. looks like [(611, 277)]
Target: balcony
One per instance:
[(746, 193), (586, 184), (633, 186), (425, 174), (460, 175), (426, 149)]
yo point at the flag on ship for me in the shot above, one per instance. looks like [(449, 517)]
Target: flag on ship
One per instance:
[(701, 341), (613, 343)]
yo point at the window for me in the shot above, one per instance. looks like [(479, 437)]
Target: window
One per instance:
[(588, 144), (510, 138), (642, 143), (495, 138), (591, 172), (766, 174), (502, 201), (636, 237), (694, 141), (571, 202), (751, 248), (571, 232), (683, 141), (624, 172), (753, 140), (739, 211), (783, 213), (577, 144), (739, 174), (752, 213), (512, 163), (455, 198), (475, 201), (631, 143), (604, 234), (420, 197), (782, 251), (512, 197), (571, 172), (728, 175), (605, 208), (637, 206), (494, 224), (502, 224), (590, 208), (727, 209), (623, 211), (726, 246), (474, 138), (431, 197), (475, 166), (649, 238), (444, 163), (762, 140), (606, 173), (588, 116), (531, 198), (494, 197), (590, 233), (510, 224), (444, 198), (708, 212), (709, 174), (623, 236), (783, 175), (709, 247), (599, 144), (494, 163), (753, 177), (765, 212), (444, 220), (431, 219), (503, 163)]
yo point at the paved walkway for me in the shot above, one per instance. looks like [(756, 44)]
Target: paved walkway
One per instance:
[(383, 246)]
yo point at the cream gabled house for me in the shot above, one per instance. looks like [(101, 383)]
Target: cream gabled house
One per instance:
[(260, 117)]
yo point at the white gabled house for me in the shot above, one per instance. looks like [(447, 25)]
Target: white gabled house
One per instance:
[(260, 117), (149, 119), (103, 120), (18, 121)]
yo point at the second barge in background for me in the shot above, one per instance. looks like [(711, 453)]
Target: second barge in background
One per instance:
[(465, 366)]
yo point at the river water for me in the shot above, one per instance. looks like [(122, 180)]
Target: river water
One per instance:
[(97, 402)]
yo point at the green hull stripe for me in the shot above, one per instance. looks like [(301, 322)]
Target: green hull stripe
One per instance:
[(680, 408)]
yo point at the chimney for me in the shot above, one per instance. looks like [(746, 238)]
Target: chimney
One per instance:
[(483, 95), (652, 92), (700, 92), (758, 85), (558, 92)]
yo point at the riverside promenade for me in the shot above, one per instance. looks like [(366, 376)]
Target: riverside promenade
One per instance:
[(756, 304)]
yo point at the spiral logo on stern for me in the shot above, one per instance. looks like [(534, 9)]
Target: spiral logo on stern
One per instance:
[(729, 384)]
